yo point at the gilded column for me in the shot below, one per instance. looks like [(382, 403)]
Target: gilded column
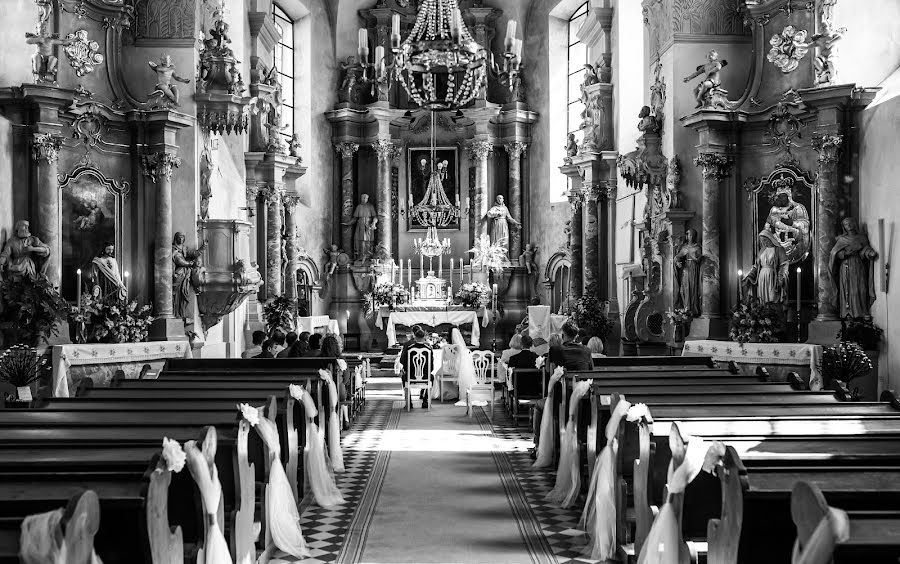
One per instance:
[(829, 148), (45, 152), (272, 196), (479, 151), (158, 167), (291, 248), (591, 249), (386, 152), (716, 168), (347, 151), (576, 236), (516, 151)]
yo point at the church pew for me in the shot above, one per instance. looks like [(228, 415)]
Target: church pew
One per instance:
[(680, 361)]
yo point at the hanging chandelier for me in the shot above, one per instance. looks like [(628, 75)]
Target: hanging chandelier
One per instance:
[(432, 246)]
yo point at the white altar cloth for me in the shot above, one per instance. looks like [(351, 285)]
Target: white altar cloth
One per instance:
[(66, 356), (431, 318), (797, 354), (311, 323)]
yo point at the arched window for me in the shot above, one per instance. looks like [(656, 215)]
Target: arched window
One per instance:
[(577, 56), (558, 271), (284, 66)]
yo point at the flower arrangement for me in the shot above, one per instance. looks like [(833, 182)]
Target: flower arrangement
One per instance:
[(845, 361), (473, 294), (173, 455), (862, 331), (679, 316), (390, 294), (30, 309), (112, 320), (590, 313), (489, 256), (21, 365), (279, 313), (757, 322)]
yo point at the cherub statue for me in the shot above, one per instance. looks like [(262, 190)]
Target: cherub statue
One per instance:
[(44, 63), (220, 36), (824, 61), (590, 76), (295, 146), (351, 79), (648, 123), (165, 90), (571, 147), (711, 81), (333, 253), (526, 259)]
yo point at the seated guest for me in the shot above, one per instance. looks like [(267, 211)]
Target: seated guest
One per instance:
[(515, 347), (315, 341), (331, 348), (526, 358), (278, 336), (268, 349), (595, 345), (289, 341), (541, 346), (418, 342), (258, 338), (570, 354), (299, 348)]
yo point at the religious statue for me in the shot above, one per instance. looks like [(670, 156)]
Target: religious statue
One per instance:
[(526, 259), (44, 64), (186, 264), (648, 123), (220, 39), (590, 78), (295, 146), (366, 220), (500, 219), (789, 220), (711, 80), (105, 277), (166, 93), (21, 252), (768, 278), (852, 265), (351, 79), (827, 55), (334, 254), (687, 268), (571, 148)]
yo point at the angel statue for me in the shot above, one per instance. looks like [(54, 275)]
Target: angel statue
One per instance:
[(711, 80), (333, 253), (526, 259), (165, 90)]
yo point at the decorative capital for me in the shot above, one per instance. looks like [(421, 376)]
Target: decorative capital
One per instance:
[(346, 149), (45, 147), (612, 192), (252, 194), (271, 195), (479, 150), (575, 200), (386, 150), (290, 202), (591, 192), (715, 165), (829, 148), (159, 165), (516, 150)]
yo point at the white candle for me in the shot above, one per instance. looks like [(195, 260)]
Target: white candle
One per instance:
[(78, 288), (494, 297), (461, 271), (455, 19), (363, 39), (517, 49), (440, 266), (395, 25), (451, 271), (421, 266), (739, 280), (798, 295), (510, 31), (379, 57), (400, 277), (409, 272), (125, 276)]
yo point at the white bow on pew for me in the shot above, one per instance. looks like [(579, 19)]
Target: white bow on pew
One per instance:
[(321, 478), (202, 466), (568, 473), (547, 442), (334, 424)]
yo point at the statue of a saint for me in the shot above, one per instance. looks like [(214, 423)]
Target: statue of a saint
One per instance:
[(366, 220), (648, 123), (166, 93), (687, 266), (711, 79), (852, 266), (768, 278), (20, 255), (185, 264), (571, 147), (500, 219), (105, 277)]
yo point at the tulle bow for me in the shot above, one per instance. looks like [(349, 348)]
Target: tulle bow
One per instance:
[(568, 473), (547, 442)]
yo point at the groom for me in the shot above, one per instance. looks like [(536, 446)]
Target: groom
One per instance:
[(418, 342)]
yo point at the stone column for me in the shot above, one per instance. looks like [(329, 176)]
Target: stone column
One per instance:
[(45, 152), (716, 168), (291, 248), (591, 238), (516, 151), (386, 151), (346, 151), (479, 151), (827, 208), (272, 196), (576, 233), (158, 167)]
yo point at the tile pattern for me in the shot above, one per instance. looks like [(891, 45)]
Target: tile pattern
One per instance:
[(325, 529)]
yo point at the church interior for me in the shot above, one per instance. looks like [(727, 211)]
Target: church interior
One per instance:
[(449, 281)]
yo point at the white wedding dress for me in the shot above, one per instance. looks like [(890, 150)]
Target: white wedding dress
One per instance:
[(465, 369)]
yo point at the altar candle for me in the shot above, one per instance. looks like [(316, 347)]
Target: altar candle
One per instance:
[(470, 271), (440, 266), (400, 277), (125, 276), (798, 294), (78, 287), (739, 280), (363, 39), (494, 294), (421, 266), (461, 260), (451, 271)]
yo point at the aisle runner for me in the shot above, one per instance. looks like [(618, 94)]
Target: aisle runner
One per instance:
[(559, 526), (329, 531)]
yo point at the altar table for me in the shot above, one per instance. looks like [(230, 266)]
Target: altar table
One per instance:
[(431, 318), (800, 355), (312, 323), (99, 361)]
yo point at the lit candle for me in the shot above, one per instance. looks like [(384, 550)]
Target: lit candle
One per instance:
[(739, 280), (363, 39), (409, 272), (395, 25), (78, 287), (421, 265), (798, 296), (440, 266)]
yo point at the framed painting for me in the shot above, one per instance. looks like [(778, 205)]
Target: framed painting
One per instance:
[(419, 166), (91, 210)]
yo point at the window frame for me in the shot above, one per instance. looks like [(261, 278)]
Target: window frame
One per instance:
[(580, 13), (287, 25)]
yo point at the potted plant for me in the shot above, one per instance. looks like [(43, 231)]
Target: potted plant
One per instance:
[(21, 368), (757, 322), (279, 313), (680, 318), (591, 314), (845, 361), (30, 310)]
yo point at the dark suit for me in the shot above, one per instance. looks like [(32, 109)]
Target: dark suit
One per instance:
[(524, 359), (264, 354), (404, 357), (571, 356)]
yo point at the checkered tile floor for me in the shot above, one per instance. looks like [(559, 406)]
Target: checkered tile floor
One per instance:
[(560, 526), (325, 529)]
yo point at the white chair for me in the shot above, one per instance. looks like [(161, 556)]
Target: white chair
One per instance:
[(419, 367), (483, 389), (449, 371)]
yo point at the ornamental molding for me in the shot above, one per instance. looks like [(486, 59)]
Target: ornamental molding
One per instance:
[(715, 165), (159, 165), (788, 48), (45, 147), (479, 150), (271, 194), (516, 150), (591, 192), (346, 150), (82, 53)]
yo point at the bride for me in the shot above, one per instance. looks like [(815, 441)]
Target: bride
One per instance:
[(465, 368)]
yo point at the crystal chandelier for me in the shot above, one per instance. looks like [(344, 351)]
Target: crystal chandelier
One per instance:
[(432, 246)]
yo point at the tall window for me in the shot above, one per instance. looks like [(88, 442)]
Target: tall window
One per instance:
[(577, 57), (284, 66)]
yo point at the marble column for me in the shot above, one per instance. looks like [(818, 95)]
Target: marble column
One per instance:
[(591, 249), (606, 276), (347, 150), (158, 167), (827, 207), (291, 248), (516, 151), (716, 168), (45, 152), (272, 196), (386, 151), (479, 151), (576, 232)]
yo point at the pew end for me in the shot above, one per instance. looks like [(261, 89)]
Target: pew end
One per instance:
[(724, 534), (85, 385), (763, 374), (842, 392), (797, 382), (890, 396)]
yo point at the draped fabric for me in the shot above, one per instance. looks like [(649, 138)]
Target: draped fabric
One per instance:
[(547, 442), (568, 473), (465, 369), (203, 468), (334, 424), (599, 515), (282, 516), (42, 540), (321, 478)]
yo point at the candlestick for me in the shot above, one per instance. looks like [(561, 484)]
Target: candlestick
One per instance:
[(78, 287), (125, 276), (739, 280), (798, 303), (421, 266)]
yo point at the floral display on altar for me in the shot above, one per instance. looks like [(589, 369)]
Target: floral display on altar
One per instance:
[(111, 321), (757, 322), (385, 294), (279, 313), (474, 295)]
